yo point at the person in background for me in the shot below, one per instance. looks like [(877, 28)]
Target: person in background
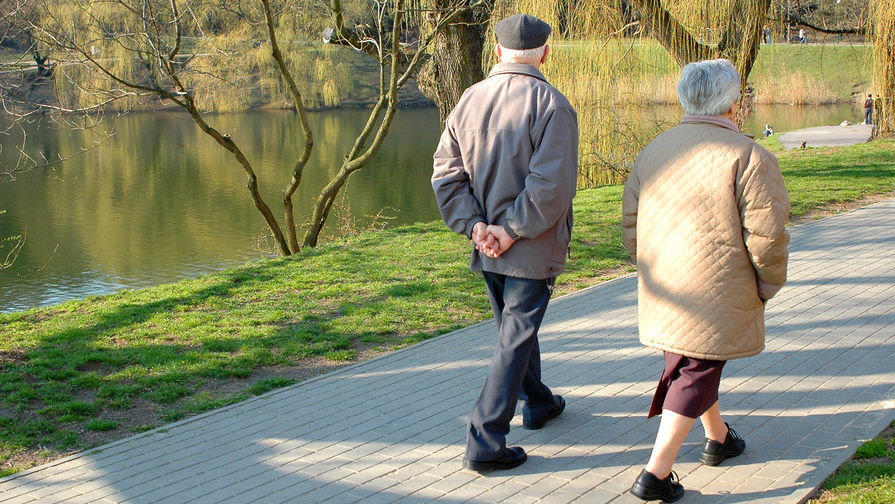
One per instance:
[(766, 34), (704, 215), (868, 109), (505, 174)]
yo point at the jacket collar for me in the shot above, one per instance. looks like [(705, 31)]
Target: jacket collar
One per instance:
[(716, 120), (516, 68)]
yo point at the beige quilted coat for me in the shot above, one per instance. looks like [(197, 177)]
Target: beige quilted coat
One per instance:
[(704, 214)]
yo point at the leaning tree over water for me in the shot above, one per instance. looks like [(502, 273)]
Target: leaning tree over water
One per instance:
[(181, 52)]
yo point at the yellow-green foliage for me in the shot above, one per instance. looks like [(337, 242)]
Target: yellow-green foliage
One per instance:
[(883, 35), (223, 57), (796, 88), (609, 70), (223, 73), (332, 79)]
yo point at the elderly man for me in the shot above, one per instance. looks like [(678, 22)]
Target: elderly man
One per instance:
[(704, 215), (504, 175)]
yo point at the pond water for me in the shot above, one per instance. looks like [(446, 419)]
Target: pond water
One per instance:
[(160, 201)]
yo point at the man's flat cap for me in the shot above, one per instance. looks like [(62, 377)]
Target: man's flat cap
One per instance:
[(521, 31)]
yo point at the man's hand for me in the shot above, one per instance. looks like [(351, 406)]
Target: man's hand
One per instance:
[(483, 241), (497, 241)]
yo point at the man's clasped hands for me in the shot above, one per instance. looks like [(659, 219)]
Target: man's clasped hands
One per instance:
[(491, 240)]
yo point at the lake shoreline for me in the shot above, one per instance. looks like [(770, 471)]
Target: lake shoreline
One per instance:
[(783, 74), (90, 371), (166, 202)]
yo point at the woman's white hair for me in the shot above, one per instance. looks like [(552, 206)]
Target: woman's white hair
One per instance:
[(708, 87), (527, 56)]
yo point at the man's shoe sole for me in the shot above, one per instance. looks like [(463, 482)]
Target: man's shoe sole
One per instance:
[(483, 466)]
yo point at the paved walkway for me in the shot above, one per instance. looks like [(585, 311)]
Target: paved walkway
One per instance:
[(391, 429), (826, 136)]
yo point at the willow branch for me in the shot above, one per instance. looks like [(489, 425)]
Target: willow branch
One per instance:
[(177, 31), (798, 20), (671, 33)]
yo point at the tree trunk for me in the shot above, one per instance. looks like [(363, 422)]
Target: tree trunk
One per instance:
[(739, 42), (883, 37), (742, 35), (456, 61), (252, 180)]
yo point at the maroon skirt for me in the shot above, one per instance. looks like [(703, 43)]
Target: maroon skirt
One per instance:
[(688, 386)]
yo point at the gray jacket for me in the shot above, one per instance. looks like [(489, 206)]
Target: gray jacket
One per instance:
[(509, 156)]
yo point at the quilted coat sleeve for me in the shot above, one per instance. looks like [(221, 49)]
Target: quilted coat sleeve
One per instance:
[(764, 208), (630, 199), (458, 206)]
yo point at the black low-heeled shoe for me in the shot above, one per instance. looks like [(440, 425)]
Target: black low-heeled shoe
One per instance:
[(648, 487), (713, 452), (559, 405), (514, 457)]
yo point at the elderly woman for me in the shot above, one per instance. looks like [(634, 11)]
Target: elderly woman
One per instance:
[(704, 215)]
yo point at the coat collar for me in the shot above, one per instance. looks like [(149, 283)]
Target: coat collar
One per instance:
[(516, 68), (717, 120)]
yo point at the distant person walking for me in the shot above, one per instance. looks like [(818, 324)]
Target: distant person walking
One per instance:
[(868, 109), (803, 36), (505, 173), (704, 215), (766, 34)]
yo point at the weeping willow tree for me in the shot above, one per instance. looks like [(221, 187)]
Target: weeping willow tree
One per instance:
[(609, 54), (883, 36), (604, 49)]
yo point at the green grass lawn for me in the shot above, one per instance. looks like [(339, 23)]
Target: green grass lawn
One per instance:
[(822, 176), (845, 69), (123, 363), (868, 478)]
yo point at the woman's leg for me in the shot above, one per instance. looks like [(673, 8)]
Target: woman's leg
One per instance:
[(715, 428), (721, 442), (672, 430)]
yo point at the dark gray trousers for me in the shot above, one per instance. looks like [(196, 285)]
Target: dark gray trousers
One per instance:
[(519, 305)]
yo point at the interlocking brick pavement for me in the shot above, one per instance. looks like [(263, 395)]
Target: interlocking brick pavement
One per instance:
[(390, 430)]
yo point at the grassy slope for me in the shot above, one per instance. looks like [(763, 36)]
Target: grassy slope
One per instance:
[(83, 366), (844, 69)]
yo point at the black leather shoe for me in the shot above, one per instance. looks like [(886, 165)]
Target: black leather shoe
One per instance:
[(559, 405), (514, 457), (713, 452), (648, 487)]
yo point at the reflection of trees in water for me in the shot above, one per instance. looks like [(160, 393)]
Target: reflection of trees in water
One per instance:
[(152, 200)]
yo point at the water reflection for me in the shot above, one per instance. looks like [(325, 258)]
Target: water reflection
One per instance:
[(160, 201)]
